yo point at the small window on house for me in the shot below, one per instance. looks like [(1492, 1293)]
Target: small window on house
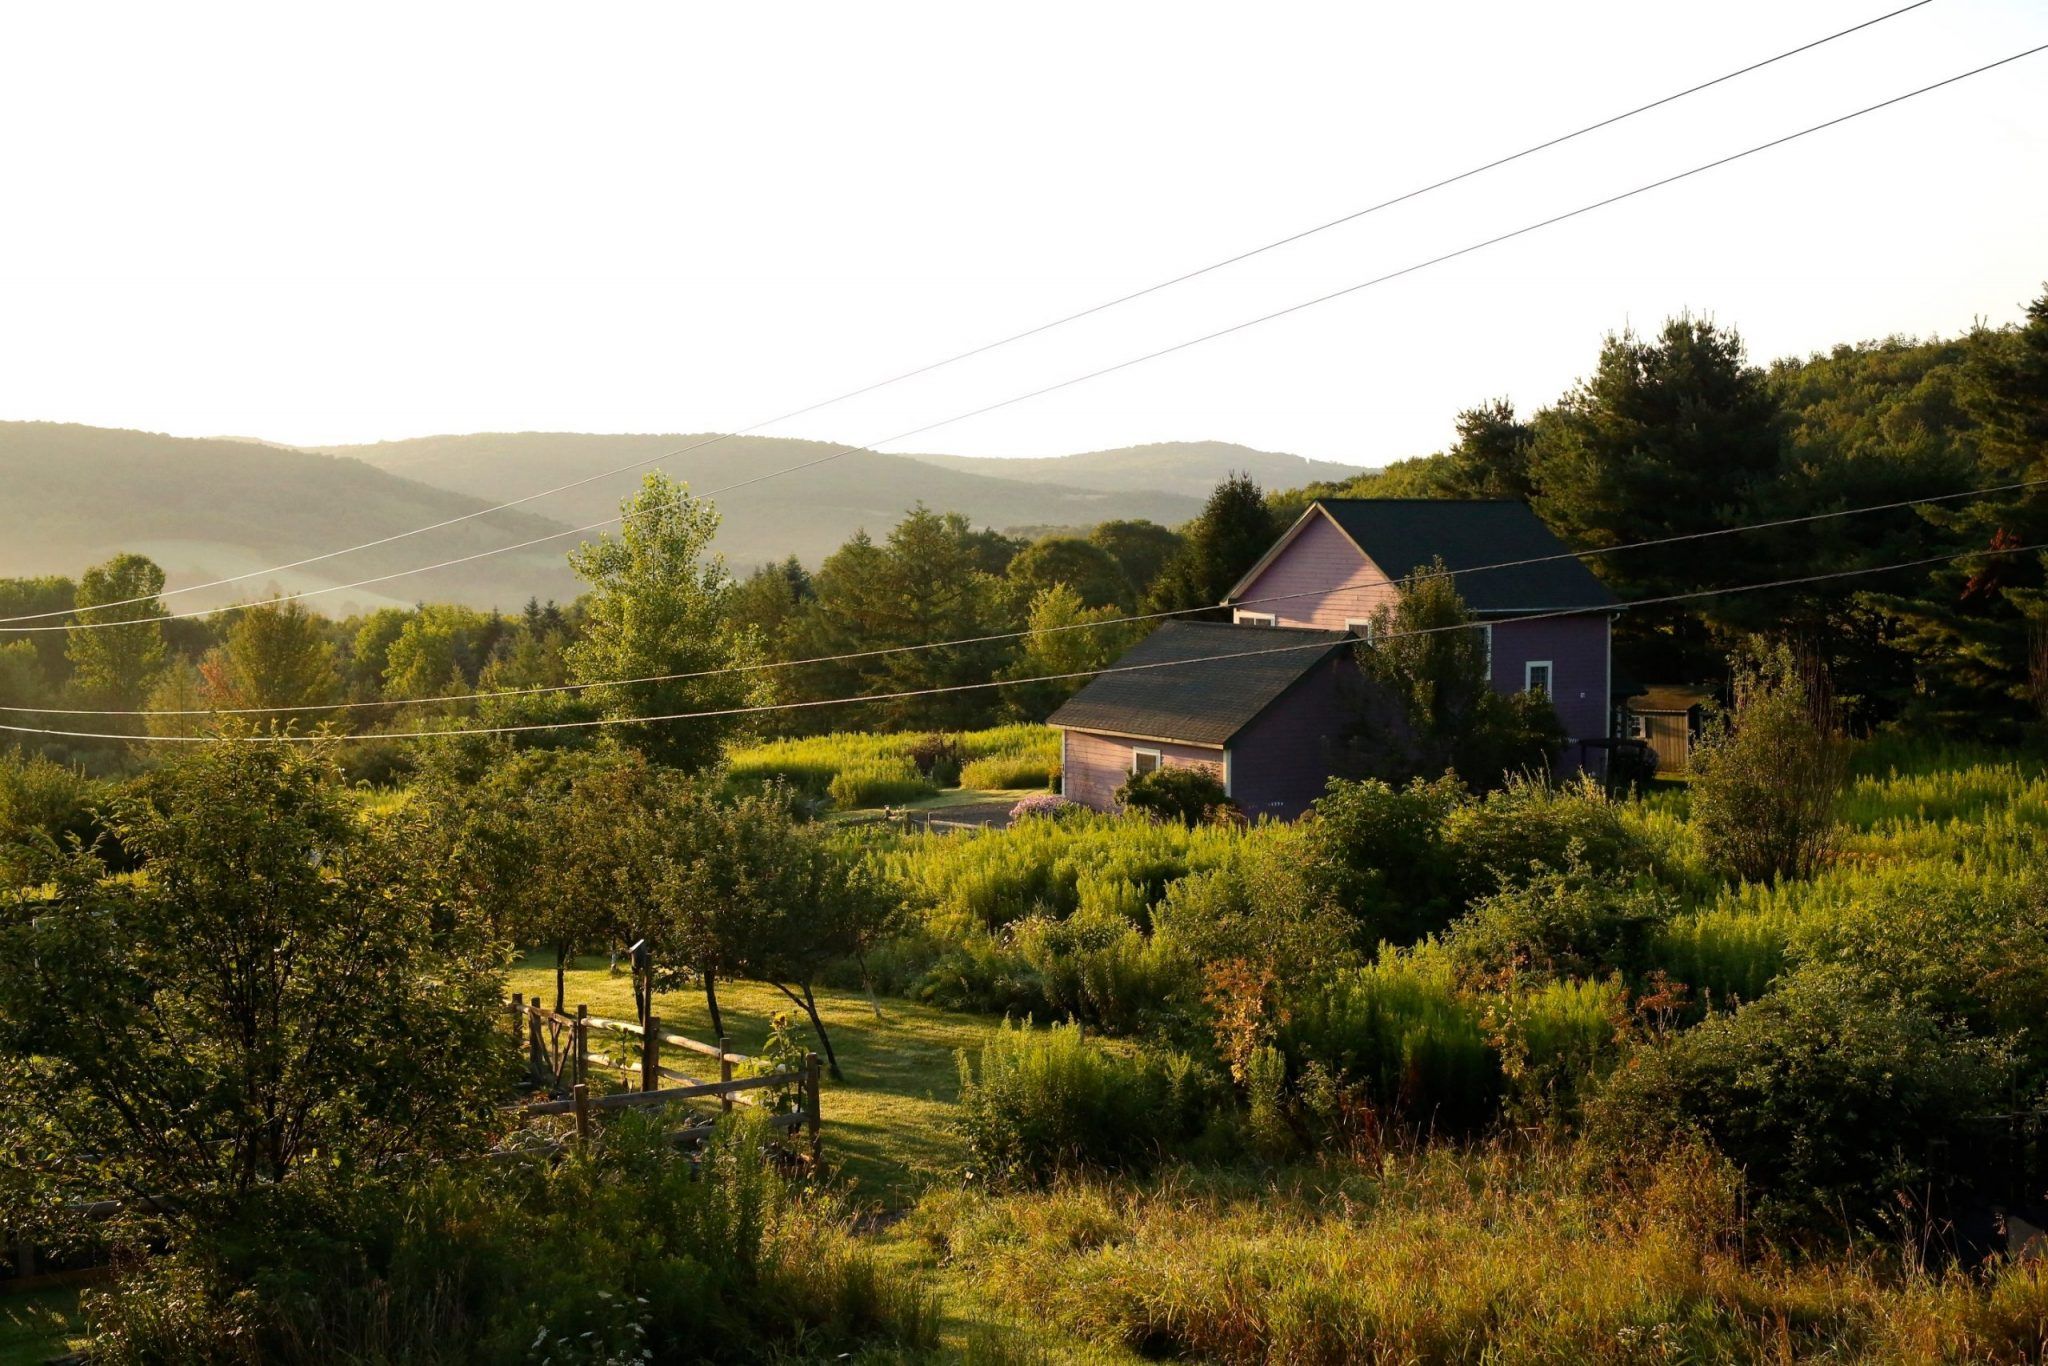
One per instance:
[(1638, 728), (1360, 627), (1536, 677), (1255, 619), (1144, 761)]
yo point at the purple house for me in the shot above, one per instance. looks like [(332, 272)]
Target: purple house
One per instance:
[(1259, 701)]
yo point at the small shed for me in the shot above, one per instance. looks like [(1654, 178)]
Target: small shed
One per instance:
[(1209, 695), (1668, 717)]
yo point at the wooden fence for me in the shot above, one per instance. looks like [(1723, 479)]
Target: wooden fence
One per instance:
[(559, 1060)]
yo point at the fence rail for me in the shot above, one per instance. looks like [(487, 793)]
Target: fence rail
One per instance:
[(556, 1046)]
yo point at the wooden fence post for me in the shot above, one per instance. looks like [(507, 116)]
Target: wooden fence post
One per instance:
[(725, 1071), (582, 1095), (650, 1054), (536, 1058), (581, 1042), (811, 1115), (518, 1009)]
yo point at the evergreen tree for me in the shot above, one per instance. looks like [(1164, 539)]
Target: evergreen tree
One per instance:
[(1975, 627), (1673, 435), (1216, 549), (1491, 457)]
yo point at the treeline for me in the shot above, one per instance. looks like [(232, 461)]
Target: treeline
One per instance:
[(1669, 436)]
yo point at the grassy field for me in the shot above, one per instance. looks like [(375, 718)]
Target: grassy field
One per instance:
[(884, 1125), (36, 1327)]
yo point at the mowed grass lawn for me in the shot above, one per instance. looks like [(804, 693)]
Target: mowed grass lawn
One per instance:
[(37, 1326), (885, 1127)]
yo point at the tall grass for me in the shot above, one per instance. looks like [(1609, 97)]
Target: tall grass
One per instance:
[(1441, 1255), (881, 765)]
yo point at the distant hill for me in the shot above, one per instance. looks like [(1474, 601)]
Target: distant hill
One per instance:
[(71, 496), (808, 513), (1187, 467)]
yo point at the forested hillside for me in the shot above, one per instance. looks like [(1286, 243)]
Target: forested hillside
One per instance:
[(205, 509), (806, 515), (1188, 467)]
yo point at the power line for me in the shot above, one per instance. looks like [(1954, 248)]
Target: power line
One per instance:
[(908, 693), (1775, 524), (963, 355)]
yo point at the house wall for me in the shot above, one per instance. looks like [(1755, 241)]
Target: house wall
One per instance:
[(1095, 766), (1321, 562), (1281, 762), (1577, 650)]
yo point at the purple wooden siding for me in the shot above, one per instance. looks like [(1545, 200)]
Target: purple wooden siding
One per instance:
[(1339, 583), (1097, 765), (1281, 761), (1577, 650)]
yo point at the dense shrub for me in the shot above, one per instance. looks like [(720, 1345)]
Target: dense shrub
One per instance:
[(1970, 951), (1378, 852), (1827, 1095), (43, 801), (1259, 909), (1009, 771), (1043, 1102), (1510, 834), (1766, 782), (624, 1252), (1097, 967), (1399, 1029), (1560, 925), (1173, 792)]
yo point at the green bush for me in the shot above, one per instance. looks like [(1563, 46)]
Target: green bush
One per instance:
[(629, 1250), (43, 801), (1559, 1041), (1527, 826), (1174, 793), (1009, 771), (878, 782), (1829, 1096), (1378, 852), (1399, 1029), (1560, 925), (1099, 968), (1766, 783), (1044, 1102)]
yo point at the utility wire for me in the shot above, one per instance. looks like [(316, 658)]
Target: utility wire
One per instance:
[(277, 737), (850, 656), (983, 349)]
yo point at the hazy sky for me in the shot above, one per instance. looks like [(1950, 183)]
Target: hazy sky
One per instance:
[(336, 224)]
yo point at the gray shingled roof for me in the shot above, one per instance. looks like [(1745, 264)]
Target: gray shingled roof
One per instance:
[(1202, 703), (1402, 534)]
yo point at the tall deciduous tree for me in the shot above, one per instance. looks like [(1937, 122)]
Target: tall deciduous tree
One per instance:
[(275, 655), (657, 607), (1066, 638), (1234, 529), (1083, 566), (1142, 548), (115, 666)]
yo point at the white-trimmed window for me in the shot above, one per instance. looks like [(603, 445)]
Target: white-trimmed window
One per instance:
[(1537, 676), (1254, 619), (1145, 761), (1360, 627), (1638, 727)]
